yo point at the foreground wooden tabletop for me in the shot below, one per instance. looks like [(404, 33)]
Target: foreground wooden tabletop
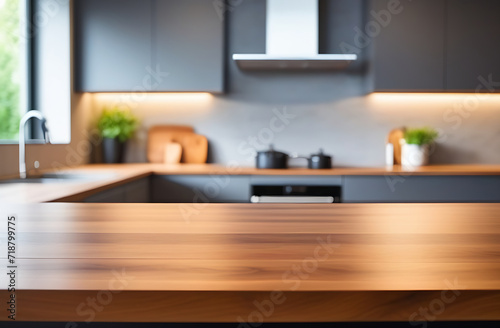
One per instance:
[(231, 263)]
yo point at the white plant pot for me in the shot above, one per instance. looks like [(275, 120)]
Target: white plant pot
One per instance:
[(414, 155)]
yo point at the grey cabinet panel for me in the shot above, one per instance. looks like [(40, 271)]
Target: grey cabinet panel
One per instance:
[(132, 192), (421, 189), (114, 195), (473, 43), (200, 189), (409, 51), (113, 44), (296, 180), (137, 191), (148, 45), (189, 45)]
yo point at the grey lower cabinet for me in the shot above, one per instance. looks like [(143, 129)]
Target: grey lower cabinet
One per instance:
[(205, 189), (434, 45), (421, 189), (224, 188), (132, 192), (148, 46), (200, 189)]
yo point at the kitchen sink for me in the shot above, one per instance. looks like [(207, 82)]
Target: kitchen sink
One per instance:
[(63, 178), (38, 180)]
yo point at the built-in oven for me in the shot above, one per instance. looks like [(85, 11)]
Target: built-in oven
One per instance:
[(296, 194)]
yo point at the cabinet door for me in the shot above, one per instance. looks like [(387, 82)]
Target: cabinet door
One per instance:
[(114, 195), (200, 189), (188, 45), (409, 50), (137, 191), (473, 43), (132, 192), (113, 45), (421, 189)]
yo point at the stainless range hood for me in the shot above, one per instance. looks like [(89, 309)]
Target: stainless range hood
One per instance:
[(292, 40)]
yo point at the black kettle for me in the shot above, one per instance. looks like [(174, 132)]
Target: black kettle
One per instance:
[(271, 159)]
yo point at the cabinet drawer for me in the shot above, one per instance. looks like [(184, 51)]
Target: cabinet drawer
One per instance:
[(200, 189), (421, 189), (296, 180), (132, 192)]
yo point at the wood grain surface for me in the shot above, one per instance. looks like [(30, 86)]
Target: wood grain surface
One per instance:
[(342, 262)]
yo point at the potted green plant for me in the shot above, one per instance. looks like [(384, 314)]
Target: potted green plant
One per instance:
[(415, 146), (115, 126)]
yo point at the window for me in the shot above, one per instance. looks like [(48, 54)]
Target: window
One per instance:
[(35, 67), (13, 75)]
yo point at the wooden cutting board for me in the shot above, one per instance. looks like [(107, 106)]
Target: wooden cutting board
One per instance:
[(194, 146), (195, 149), (394, 137)]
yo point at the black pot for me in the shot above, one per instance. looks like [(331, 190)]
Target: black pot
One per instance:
[(319, 161), (112, 151), (271, 159)]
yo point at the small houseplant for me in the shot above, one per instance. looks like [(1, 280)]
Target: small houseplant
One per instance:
[(115, 126), (415, 146)]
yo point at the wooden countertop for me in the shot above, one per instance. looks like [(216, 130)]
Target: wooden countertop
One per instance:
[(123, 173), (342, 262), (208, 169)]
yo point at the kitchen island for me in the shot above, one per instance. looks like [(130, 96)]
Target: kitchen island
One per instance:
[(253, 263)]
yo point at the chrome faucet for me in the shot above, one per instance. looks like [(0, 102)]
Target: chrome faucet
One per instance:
[(22, 138)]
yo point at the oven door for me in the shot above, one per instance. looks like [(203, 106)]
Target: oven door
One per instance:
[(289, 194), (292, 199)]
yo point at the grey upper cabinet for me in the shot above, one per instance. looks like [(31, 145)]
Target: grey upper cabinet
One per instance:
[(409, 50), (148, 45), (436, 45), (112, 44), (473, 44), (189, 45)]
